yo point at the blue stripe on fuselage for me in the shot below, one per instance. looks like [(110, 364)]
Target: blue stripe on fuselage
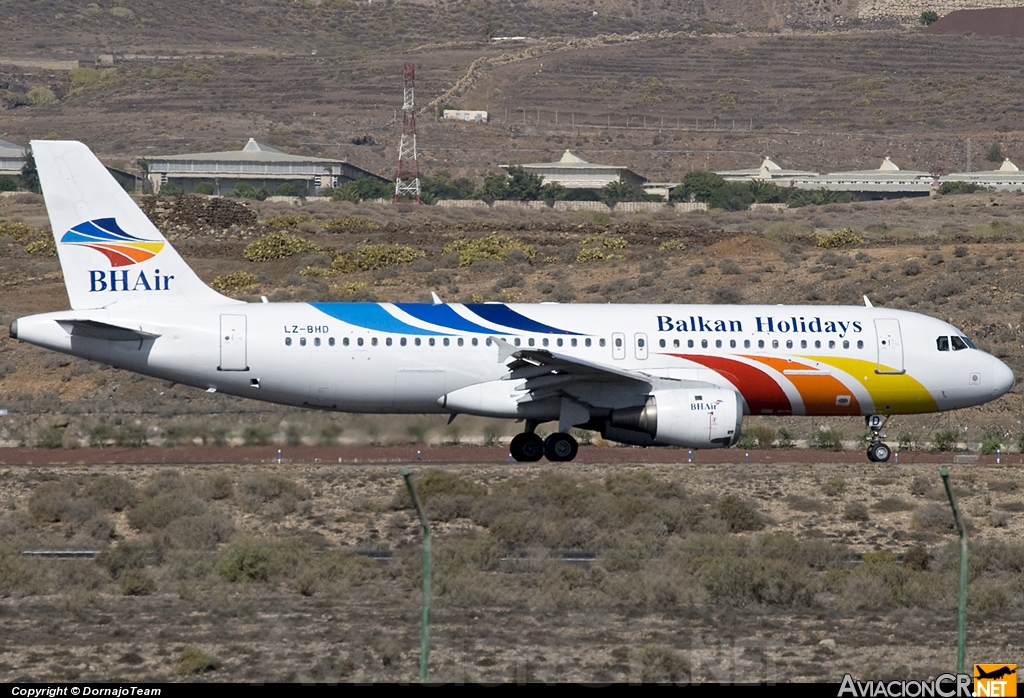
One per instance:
[(370, 316), (501, 314), (443, 315)]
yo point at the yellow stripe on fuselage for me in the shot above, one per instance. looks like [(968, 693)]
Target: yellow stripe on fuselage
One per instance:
[(891, 393)]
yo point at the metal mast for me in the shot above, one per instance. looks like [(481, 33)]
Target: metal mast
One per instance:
[(407, 181)]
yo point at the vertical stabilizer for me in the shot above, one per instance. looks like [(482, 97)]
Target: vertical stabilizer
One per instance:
[(110, 252)]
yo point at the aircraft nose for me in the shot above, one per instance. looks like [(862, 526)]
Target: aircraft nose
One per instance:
[(1002, 377)]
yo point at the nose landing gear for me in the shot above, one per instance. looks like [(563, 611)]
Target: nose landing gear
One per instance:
[(878, 451)]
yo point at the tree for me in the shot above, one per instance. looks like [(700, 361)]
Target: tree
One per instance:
[(995, 153), (928, 17), (170, 190), (443, 186), (523, 185), (362, 189), (495, 187), (29, 174), (204, 188), (8, 183), (614, 192), (698, 186)]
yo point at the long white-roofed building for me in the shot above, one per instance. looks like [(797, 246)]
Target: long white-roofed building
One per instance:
[(260, 165), (12, 158), (1008, 176), (573, 172), (887, 179)]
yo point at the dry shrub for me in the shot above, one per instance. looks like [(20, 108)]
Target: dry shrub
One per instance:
[(193, 660), (855, 511), (123, 556), (58, 502), (890, 505), (739, 581), (740, 514), (112, 492), (18, 576), (159, 511), (137, 582), (199, 532), (277, 245), (262, 560), (256, 491), (658, 664), (496, 246), (234, 282), (933, 517)]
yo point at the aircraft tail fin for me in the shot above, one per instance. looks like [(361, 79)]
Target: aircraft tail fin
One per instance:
[(110, 252)]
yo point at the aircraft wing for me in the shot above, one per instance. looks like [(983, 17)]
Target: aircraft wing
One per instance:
[(550, 374)]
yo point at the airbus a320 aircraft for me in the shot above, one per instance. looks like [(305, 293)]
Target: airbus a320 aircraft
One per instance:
[(649, 375)]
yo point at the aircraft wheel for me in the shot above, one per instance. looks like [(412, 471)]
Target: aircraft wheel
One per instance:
[(527, 448), (560, 447), (879, 453)]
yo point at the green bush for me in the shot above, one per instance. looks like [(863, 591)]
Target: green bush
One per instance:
[(123, 556), (41, 97), (102, 435), (495, 246), (50, 437), (205, 188), (244, 190), (18, 576), (839, 238), (370, 257), (8, 183), (827, 438), (349, 223), (193, 660), (654, 663), (169, 189), (990, 444), (234, 282), (834, 486), (278, 245), (288, 220), (136, 582), (763, 435), (945, 440), (928, 17), (329, 434), (131, 435), (257, 436), (739, 514)]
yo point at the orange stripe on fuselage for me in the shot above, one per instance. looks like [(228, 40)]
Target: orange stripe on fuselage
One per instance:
[(819, 392)]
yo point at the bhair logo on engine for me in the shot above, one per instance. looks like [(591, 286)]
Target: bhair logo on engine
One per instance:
[(121, 249), (700, 406)]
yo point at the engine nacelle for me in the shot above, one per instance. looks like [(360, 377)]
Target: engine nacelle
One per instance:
[(691, 417)]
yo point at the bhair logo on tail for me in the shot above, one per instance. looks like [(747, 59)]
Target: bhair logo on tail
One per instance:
[(106, 237)]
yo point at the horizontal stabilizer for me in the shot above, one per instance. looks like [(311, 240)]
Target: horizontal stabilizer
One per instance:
[(92, 329)]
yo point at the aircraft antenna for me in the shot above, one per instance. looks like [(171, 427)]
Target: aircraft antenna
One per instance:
[(407, 181)]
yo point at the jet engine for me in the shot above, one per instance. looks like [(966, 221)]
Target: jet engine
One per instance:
[(692, 418)]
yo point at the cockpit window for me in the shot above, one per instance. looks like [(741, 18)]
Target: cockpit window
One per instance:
[(958, 343), (942, 343), (968, 342)]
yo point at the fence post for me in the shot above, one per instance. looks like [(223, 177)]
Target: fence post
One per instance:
[(961, 623), (425, 616)]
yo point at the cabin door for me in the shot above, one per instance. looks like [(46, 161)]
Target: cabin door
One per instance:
[(232, 343), (890, 347)]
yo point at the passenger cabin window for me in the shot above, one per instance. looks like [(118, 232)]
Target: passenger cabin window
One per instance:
[(958, 343), (431, 341), (287, 341), (544, 342), (461, 341), (373, 341), (618, 341), (775, 344), (302, 341), (531, 341), (572, 342), (359, 341), (345, 341), (746, 343), (846, 344), (860, 343), (817, 344), (316, 341), (388, 341), (718, 344), (331, 341), (446, 341), (418, 341), (689, 343), (760, 344), (675, 343), (704, 343), (602, 341), (803, 343), (403, 341), (831, 344), (518, 341), (587, 341)]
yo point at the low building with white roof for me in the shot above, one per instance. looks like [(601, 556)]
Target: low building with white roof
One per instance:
[(573, 172)]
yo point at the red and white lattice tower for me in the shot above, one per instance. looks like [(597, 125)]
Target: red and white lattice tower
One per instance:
[(407, 181)]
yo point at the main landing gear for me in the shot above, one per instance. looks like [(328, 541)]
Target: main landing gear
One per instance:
[(530, 448), (878, 451)]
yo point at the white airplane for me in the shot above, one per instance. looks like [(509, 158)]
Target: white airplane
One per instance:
[(682, 375)]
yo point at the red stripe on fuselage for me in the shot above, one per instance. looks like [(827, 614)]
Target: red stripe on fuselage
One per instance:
[(762, 393)]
